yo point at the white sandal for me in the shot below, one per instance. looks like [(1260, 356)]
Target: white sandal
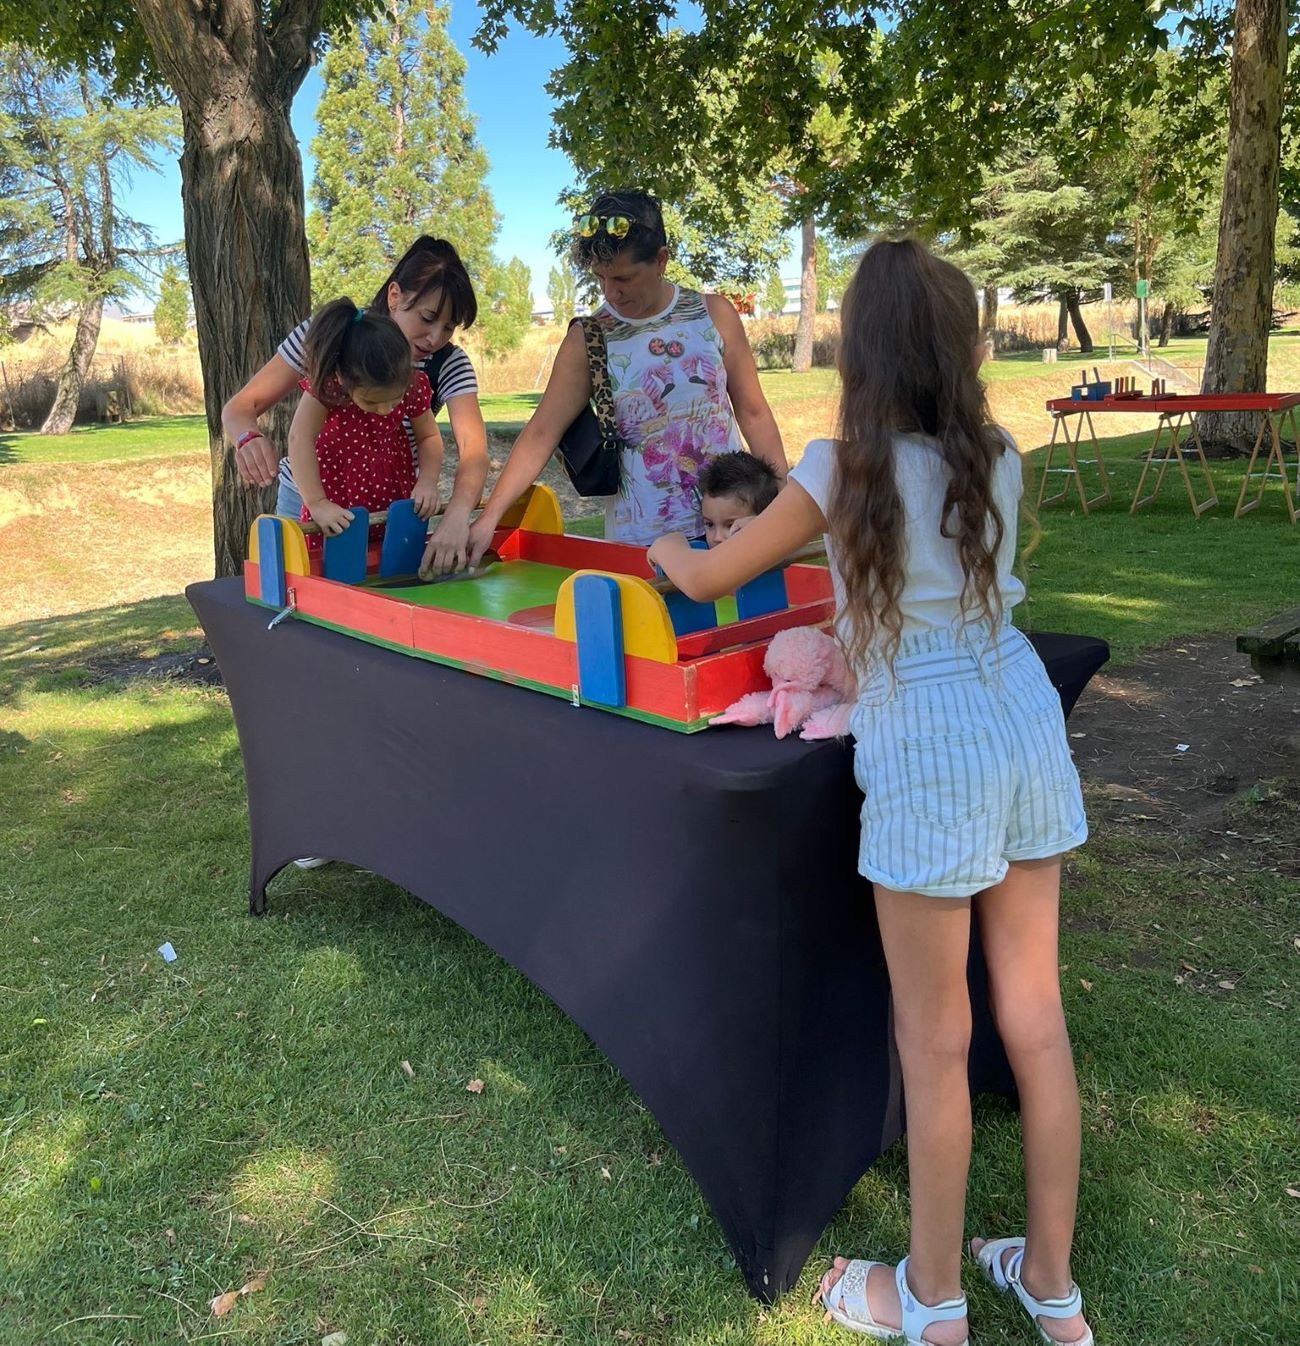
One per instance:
[(989, 1261), (851, 1310)]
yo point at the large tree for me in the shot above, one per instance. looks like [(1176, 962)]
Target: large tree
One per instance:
[(1241, 311), (233, 67), (65, 148), (1044, 236), (396, 153)]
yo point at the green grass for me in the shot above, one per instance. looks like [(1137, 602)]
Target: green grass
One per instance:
[(1140, 579), (170, 1131), (159, 437)]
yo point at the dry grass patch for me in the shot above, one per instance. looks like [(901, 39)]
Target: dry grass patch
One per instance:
[(77, 537)]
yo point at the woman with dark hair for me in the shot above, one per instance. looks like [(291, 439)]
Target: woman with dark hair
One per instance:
[(683, 377), (428, 294)]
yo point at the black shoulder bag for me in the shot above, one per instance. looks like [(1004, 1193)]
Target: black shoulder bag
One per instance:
[(591, 448)]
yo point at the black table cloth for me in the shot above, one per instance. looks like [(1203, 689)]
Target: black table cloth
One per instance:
[(674, 894)]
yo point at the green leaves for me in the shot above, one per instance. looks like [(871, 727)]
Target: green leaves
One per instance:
[(396, 155)]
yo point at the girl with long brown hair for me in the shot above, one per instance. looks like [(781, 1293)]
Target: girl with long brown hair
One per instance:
[(971, 794)]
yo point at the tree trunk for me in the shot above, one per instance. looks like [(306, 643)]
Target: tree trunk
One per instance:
[(1166, 324), (1241, 311), (1062, 326), (803, 332), (989, 318), (72, 376), (242, 195), (1080, 327)]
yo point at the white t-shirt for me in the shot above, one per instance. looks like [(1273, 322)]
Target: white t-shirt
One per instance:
[(932, 573)]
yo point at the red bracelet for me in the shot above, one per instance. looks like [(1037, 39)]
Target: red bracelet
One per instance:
[(246, 437)]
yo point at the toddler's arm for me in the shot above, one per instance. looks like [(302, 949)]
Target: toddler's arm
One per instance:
[(428, 449), (307, 423)]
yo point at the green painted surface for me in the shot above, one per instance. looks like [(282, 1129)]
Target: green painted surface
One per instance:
[(503, 591)]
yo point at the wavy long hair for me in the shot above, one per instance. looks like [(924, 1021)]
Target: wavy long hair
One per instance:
[(909, 328)]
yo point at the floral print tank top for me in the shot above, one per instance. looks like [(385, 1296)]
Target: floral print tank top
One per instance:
[(673, 412)]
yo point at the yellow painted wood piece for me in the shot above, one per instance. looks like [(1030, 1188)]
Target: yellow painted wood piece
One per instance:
[(295, 545), (536, 511), (647, 628)]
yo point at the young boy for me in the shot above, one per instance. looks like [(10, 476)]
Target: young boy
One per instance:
[(734, 487)]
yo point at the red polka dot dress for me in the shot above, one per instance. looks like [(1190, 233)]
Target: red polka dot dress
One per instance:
[(365, 459)]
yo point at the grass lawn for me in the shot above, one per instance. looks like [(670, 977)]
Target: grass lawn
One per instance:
[(171, 1131), (158, 437)]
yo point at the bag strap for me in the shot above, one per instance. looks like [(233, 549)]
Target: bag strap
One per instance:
[(602, 393)]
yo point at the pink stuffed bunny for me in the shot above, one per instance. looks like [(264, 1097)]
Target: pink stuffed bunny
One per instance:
[(811, 687)]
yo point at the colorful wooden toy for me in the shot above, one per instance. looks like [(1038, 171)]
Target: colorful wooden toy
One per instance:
[(571, 616)]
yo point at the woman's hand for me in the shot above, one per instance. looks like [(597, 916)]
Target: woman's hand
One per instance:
[(257, 462), (479, 539), (331, 518), (448, 546), (426, 495)]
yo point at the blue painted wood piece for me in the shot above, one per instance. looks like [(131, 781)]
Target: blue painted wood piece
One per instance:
[(270, 561), (345, 552), (404, 533), (685, 613), (762, 595), (598, 619)]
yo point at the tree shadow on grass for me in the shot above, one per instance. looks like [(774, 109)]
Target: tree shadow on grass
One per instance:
[(87, 647)]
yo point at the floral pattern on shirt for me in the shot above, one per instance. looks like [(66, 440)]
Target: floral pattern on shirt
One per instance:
[(673, 412)]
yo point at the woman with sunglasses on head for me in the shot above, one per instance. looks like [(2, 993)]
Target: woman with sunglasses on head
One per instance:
[(683, 377), (428, 294)]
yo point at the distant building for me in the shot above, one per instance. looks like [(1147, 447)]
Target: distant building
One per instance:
[(791, 288)]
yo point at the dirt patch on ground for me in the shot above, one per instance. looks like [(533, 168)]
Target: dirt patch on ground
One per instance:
[(1191, 742), (192, 666)]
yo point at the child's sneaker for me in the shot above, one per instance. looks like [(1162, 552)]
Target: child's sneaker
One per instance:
[(311, 862)]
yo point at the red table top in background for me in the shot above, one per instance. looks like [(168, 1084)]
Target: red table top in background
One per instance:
[(1271, 402)]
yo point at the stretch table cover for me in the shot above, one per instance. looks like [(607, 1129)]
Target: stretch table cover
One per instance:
[(691, 902)]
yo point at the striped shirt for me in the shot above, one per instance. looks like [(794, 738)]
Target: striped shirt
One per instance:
[(455, 378)]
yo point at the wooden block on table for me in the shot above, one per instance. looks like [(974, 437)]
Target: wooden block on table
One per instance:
[(404, 534), (598, 617), (270, 560), (345, 552)]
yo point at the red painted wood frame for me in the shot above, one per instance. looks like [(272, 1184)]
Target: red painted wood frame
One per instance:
[(714, 667)]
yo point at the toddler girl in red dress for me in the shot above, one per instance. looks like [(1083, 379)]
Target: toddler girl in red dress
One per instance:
[(348, 444)]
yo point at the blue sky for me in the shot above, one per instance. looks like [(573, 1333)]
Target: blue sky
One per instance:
[(506, 93)]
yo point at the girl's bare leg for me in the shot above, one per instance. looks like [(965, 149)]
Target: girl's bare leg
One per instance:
[(926, 940), (1018, 921)]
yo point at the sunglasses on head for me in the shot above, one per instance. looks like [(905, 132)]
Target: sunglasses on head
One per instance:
[(616, 226)]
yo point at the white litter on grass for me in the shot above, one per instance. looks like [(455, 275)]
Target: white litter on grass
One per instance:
[(1181, 747), (167, 953)]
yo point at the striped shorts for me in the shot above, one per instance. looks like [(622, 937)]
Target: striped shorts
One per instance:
[(964, 763)]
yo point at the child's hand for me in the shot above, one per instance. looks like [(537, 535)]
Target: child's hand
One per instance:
[(426, 497), (663, 549), (741, 523), (331, 518)]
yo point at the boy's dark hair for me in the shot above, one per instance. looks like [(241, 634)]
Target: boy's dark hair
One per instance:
[(742, 476), (364, 348), (428, 265), (642, 241)]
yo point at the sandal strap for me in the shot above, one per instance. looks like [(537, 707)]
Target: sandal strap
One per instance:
[(917, 1316), (989, 1259), (1066, 1307)]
